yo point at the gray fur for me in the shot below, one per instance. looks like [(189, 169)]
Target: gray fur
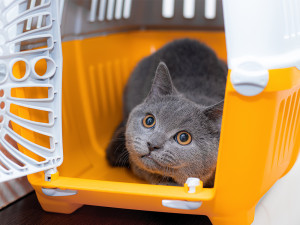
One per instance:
[(186, 95)]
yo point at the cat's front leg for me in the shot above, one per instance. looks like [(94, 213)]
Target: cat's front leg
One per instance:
[(116, 152)]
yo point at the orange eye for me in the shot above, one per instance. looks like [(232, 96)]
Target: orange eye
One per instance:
[(183, 138), (149, 121)]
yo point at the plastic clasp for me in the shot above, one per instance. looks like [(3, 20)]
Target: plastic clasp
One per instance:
[(249, 78), (51, 174), (193, 185), (58, 192)]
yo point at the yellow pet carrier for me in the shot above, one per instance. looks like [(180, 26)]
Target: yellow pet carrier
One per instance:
[(63, 67)]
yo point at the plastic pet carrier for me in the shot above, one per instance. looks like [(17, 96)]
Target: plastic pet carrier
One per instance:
[(63, 67)]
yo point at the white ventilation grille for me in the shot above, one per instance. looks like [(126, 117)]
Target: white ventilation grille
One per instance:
[(189, 9), (109, 10), (168, 8), (291, 9), (210, 9), (189, 6), (30, 35)]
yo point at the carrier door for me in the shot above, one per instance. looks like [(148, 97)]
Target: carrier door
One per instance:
[(30, 87)]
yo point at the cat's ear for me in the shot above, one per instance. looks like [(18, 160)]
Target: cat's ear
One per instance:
[(162, 82), (214, 113)]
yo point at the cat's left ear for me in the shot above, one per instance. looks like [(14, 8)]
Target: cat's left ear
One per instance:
[(214, 113), (162, 82)]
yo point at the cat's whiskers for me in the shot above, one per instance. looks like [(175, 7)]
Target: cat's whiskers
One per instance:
[(123, 158)]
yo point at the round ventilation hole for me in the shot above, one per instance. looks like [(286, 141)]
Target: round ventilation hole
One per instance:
[(2, 105), (44, 67), (20, 70)]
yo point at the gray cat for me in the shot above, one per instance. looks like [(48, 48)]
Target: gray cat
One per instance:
[(173, 105)]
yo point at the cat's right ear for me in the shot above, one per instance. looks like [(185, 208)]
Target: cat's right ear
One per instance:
[(162, 82), (215, 113)]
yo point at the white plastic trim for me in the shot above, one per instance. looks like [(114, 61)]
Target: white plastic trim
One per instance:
[(93, 10), (249, 78), (11, 64), (102, 7), (210, 9), (189, 9), (29, 21), (178, 204), (127, 9), (267, 32), (13, 15), (56, 192), (3, 72), (51, 67), (118, 11), (168, 8), (110, 9)]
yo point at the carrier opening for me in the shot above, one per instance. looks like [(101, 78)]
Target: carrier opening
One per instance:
[(95, 72)]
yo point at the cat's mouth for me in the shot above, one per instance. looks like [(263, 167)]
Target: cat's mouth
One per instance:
[(149, 160), (146, 155)]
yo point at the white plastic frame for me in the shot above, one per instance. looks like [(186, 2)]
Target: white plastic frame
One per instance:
[(263, 35), (12, 14)]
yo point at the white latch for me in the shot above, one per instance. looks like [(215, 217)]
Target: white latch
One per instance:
[(249, 78), (58, 192), (49, 172), (192, 183)]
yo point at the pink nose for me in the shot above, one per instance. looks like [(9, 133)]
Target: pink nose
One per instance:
[(151, 147)]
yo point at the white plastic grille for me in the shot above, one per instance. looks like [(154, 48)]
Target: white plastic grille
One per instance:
[(109, 10), (29, 35)]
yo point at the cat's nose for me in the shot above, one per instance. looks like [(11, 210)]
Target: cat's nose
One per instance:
[(152, 147)]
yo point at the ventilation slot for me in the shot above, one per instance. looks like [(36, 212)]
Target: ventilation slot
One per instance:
[(32, 93), (18, 147), (168, 7), (189, 9), (109, 10), (32, 136), (37, 22), (31, 114), (296, 121), (8, 156), (3, 165), (278, 133), (286, 128), (290, 119), (106, 82), (291, 18), (210, 9), (24, 7), (32, 44)]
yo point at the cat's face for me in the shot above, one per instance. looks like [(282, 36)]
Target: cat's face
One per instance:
[(171, 136)]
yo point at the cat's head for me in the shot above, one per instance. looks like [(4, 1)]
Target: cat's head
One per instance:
[(172, 136)]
